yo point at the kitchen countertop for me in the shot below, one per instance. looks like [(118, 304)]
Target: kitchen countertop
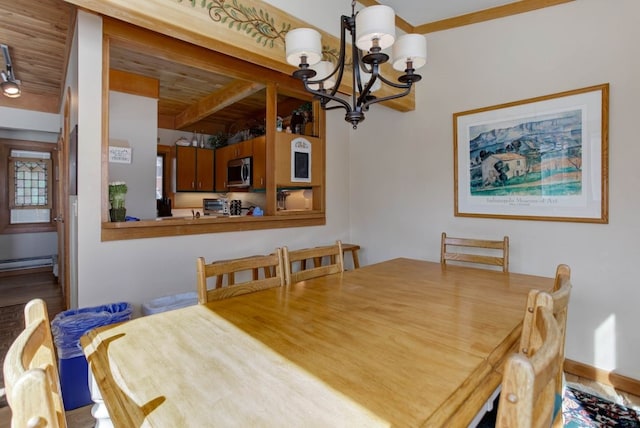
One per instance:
[(188, 225)]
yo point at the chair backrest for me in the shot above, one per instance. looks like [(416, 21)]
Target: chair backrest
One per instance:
[(563, 274), (305, 271), (528, 396), (560, 296), (31, 375), (271, 264), (499, 250)]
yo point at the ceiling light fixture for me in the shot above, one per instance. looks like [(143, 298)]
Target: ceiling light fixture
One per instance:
[(10, 85), (372, 29)]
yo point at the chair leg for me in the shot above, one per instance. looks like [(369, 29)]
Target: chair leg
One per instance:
[(356, 260)]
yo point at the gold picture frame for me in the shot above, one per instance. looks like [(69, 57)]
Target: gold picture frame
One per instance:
[(543, 158)]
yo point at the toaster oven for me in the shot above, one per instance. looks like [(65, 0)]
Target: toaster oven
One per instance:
[(215, 206)]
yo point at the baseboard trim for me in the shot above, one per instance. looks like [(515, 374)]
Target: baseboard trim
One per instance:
[(14, 272), (618, 381)]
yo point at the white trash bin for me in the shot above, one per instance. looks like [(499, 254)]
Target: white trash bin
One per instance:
[(169, 303)]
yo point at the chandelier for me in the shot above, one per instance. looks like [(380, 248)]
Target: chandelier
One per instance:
[(10, 85), (372, 29)]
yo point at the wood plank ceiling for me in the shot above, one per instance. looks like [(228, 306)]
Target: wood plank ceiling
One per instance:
[(183, 88), (39, 36)]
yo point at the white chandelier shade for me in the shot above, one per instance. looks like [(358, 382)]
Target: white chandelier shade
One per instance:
[(409, 48), (375, 24), (303, 42), (323, 69)]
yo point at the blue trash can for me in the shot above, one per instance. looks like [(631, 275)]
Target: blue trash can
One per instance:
[(67, 327)]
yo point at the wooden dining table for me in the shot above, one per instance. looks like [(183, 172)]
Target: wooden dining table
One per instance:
[(402, 343)]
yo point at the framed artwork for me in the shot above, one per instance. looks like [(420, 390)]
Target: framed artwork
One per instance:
[(543, 158)]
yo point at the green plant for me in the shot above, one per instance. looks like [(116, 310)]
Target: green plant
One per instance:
[(117, 193), (218, 140)]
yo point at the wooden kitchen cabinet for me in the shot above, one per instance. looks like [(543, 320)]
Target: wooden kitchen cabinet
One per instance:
[(223, 156), (194, 169), (238, 150), (254, 148), (259, 163)]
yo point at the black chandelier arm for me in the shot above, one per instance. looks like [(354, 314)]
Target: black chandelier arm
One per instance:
[(355, 72), (365, 106), (357, 83), (394, 84), (365, 94), (330, 96), (345, 25), (348, 110)]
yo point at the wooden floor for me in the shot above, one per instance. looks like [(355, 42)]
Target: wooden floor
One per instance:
[(16, 289), (19, 289)]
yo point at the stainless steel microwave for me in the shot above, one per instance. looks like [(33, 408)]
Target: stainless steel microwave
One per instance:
[(239, 172)]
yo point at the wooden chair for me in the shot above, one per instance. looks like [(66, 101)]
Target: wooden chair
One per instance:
[(528, 398), (346, 248), (271, 263), (353, 250), (500, 248), (563, 274), (31, 375), (333, 252), (268, 272), (560, 296)]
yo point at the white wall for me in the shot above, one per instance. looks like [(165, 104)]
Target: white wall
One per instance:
[(25, 245), (139, 270), (134, 119), (401, 165), (35, 125), (72, 216)]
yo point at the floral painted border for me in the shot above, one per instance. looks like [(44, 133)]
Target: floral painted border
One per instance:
[(256, 23)]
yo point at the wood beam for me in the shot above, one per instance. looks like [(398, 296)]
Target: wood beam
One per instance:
[(230, 94), (31, 101), (135, 84), (166, 122)]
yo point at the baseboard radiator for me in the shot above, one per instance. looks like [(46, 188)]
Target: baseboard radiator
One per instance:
[(28, 263)]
